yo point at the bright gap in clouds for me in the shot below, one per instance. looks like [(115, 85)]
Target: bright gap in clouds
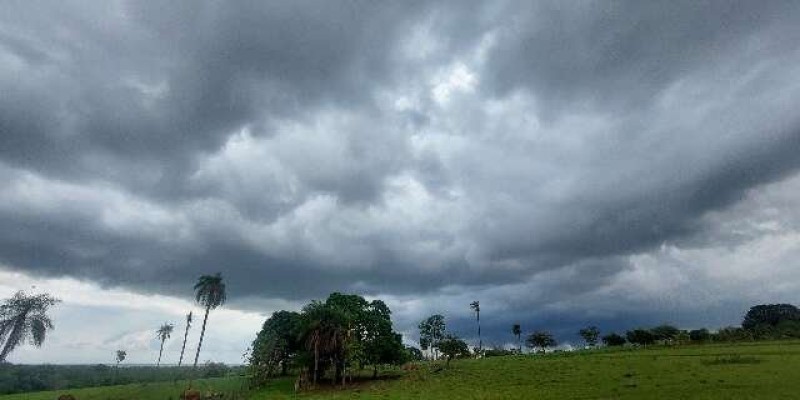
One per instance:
[(91, 323)]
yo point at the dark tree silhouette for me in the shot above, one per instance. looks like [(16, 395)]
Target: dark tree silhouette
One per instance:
[(640, 336), (541, 340), (210, 293), (24, 318), (590, 335), (613, 339), (163, 333), (516, 329), (476, 306), (770, 315), (185, 335)]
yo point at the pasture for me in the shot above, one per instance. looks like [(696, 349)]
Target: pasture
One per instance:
[(720, 371)]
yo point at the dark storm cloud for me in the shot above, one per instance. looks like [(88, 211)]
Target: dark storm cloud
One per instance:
[(404, 149)]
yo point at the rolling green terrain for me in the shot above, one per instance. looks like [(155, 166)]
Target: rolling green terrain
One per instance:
[(761, 370), (138, 391)]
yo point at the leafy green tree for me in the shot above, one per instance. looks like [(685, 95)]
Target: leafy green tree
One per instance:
[(613, 340), (665, 333), (276, 344), (24, 317), (432, 331), (476, 306), (451, 346), (590, 335), (210, 293), (769, 315), (642, 337), (163, 333), (540, 340), (185, 336), (324, 332), (516, 330)]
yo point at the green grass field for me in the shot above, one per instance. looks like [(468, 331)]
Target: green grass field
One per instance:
[(138, 391), (740, 371)]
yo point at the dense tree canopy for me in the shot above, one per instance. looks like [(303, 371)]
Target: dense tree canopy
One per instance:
[(770, 315), (613, 339), (642, 337), (343, 332), (590, 335)]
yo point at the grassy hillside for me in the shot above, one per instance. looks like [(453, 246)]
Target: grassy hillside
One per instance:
[(741, 371), (137, 391)]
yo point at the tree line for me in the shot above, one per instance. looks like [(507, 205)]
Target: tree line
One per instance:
[(761, 322)]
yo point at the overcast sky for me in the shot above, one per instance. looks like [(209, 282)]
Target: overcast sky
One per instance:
[(566, 163)]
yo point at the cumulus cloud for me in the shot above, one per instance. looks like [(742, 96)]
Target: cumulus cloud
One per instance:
[(621, 162)]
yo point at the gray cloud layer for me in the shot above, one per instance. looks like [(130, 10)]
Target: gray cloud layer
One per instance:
[(528, 152)]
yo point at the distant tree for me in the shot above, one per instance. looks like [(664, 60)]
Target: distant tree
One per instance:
[(163, 333), (516, 330), (665, 333), (613, 339), (476, 306), (185, 336), (642, 337), (210, 293), (498, 351), (24, 318), (451, 346), (770, 315), (432, 331), (699, 335), (590, 335), (414, 354), (425, 345), (120, 356), (540, 340), (733, 334)]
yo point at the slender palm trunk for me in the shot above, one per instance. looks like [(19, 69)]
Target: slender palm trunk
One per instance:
[(480, 341), (185, 335), (14, 337), (202, 333), (519, 344), (316, 361), (160, 351)]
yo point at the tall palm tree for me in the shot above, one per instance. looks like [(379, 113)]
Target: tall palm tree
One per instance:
[(324, 332), (476, 306), (185, 335), (163, 333), (210, 293), (22, 318), (516, 329)]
